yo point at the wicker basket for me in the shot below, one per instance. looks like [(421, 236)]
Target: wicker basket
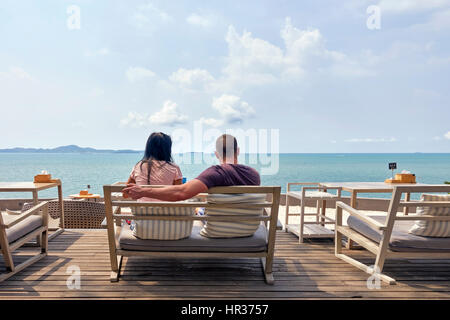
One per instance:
[(77, 214)]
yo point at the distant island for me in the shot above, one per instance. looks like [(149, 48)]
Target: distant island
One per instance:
[(66, 149)]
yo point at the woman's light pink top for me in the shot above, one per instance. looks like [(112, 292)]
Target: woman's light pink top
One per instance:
[(162, 173)]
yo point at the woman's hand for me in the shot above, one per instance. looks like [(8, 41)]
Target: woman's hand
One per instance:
[(135, 192)]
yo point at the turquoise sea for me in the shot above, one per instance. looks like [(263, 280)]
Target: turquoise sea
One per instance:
[(78, 170)]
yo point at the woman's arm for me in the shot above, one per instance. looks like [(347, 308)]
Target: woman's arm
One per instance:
[(132, 178), (179, 176)]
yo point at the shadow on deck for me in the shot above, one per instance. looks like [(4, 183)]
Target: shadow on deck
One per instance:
[(301, 271)]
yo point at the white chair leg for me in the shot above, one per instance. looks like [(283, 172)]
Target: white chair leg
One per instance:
[(318, 207), (286, 218), (302, 221)]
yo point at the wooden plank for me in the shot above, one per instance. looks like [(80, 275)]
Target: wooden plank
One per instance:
[(311, 231), (302, 271)]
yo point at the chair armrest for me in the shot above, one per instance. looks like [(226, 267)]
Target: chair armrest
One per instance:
[(119, 183), (13, 212), (443, 204), (312, 188), (322, 188), (338, 189), (25, 215), (300, 184), (352, 211)]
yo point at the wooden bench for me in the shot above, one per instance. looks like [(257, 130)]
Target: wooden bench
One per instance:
[(260, 245)]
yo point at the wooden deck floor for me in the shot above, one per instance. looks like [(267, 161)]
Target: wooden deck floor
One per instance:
[(302, 271)]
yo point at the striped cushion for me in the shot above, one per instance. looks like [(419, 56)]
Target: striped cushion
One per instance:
[(162, 229), (217, 229), (425, 228)]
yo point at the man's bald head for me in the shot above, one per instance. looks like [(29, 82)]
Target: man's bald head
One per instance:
[(226, 147)]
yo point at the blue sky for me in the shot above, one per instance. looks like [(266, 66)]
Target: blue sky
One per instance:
[(311, 69)]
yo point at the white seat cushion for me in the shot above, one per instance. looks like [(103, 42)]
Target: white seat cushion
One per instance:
[(440, 229), (400, 240), (162, 229), (23, 228), (218, 229), (195, 242)]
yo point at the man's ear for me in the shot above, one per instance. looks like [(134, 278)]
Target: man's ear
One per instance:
[(238, 151), (217, 155)]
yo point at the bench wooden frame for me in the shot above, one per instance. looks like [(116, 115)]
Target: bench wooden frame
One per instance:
[(8, 248), (381, 250), (270, 217)]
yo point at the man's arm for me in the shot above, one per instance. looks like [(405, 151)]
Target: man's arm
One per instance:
[(169, 193)]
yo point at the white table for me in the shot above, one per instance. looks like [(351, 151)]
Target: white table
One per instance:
[(369, 187), (34, 188)]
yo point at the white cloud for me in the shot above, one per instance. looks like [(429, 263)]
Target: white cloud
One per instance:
[(16, 73), (134, 120), (191, 77), (199, 20), (212, 122), (250, 59), (426, 93), (439, 61), (370, 140), (99, 52), (255, 61), (138, 73), (146, 16), (402, 6), (168, 115), (447, 135), (439, 20), (232, 109)]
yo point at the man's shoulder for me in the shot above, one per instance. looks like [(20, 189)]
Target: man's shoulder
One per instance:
[(247, 168), (239, 168), (211, 170)]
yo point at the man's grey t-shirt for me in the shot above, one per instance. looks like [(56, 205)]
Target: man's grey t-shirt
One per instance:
[(230, 175)]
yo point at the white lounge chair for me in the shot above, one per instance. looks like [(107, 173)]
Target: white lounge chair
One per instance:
[(388, 236), (16, 230)]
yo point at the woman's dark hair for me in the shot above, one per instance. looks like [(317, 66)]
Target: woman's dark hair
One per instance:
[(158, 147)]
